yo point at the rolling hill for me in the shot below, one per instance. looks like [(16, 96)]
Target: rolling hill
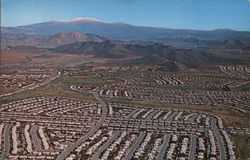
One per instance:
[(151, 54)]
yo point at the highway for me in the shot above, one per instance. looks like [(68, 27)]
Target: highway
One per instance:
[(72, 147), (106, 145), (7, 134), (163, 150), (135, 146)]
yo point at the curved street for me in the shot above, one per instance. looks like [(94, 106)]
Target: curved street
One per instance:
[(106, 145), (135, 146), (163, 149), (72, 147), (6, 140)]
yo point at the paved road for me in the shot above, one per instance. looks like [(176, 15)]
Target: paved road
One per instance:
[(7, 134), (192, 118), (111, 94), (46, 81), (151, 115), (130, 95), (163, 150), (214, 123), (72, 147), (106, 145), (167, 114), (221, 145), (135, 146), (36, 140), (172, 115), (131, 114), (193, 147)]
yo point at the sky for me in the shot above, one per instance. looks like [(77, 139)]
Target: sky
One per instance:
[(182, 14)]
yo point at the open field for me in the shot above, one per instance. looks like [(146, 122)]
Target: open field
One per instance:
[(242, 146), (39, 57), (58, 87), (65, 60), (14, 57)]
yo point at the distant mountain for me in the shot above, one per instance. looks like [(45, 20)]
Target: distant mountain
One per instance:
[(122, 31), (54, 40), (233, 43), (21, 39), (229, 44), (151, 54)]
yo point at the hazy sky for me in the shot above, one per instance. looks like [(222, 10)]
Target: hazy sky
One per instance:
[(188, 14)]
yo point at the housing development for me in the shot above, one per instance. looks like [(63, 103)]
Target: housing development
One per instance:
[(125, 80), (130, 113)]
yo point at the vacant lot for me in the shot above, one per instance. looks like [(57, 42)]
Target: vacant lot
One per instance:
[(64, 60), (242, 144), (13, 57)]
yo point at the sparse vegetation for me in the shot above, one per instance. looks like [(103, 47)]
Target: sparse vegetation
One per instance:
[(242, 144)]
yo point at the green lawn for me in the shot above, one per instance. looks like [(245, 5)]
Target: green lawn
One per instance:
[(59, 87)]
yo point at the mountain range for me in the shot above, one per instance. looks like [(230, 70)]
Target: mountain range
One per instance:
[(171, 48), (60, 38), (126, 32)]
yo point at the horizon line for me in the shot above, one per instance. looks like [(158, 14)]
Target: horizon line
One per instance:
[(95, 20)]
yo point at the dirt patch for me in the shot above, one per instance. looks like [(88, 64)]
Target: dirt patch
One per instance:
[(15, 57)]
